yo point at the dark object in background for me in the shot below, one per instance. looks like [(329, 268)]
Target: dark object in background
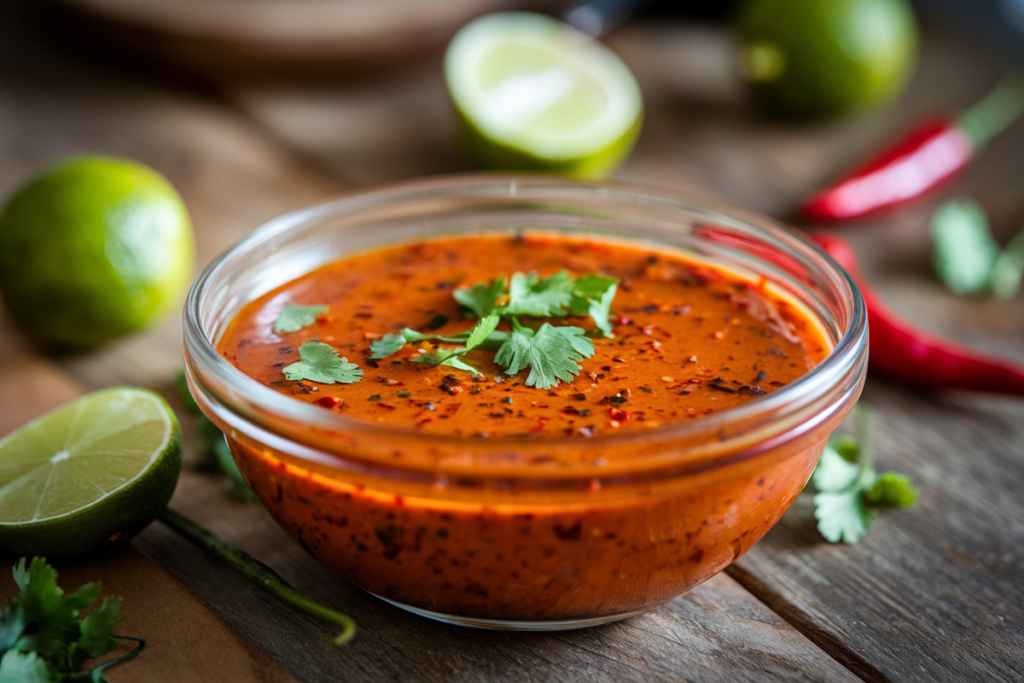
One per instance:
[(230, 40), (999, 24)]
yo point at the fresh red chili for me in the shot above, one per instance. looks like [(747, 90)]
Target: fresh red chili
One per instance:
[(913, 356), (930, 154)]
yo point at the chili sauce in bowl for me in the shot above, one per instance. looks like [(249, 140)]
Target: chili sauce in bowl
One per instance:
[(625, 446)]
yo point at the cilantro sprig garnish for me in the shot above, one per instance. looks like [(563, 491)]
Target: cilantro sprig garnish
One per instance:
[(43, 638), (555, 296), (551, 353), (850, 491), (293, 317), (320, 363)]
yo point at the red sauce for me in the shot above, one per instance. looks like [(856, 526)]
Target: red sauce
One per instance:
[(689, 340)]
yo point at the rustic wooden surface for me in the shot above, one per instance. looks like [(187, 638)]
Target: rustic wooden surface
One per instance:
[(934, 593)]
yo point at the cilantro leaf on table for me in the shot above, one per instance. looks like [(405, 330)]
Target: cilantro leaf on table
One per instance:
[(481, 298), (550, 353), (321, 363), (850, 491), (293, 318), (891, 489), (1008, 270), (43, 638), (27, 667), (964, 251)]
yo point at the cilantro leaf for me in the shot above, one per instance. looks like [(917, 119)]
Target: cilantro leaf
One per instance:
[(27, 667), (459, 364), (387, 345), (550, 353), (850, 490), (97, 632), (964, 250), (600, 310), (42, 637), (482, 332), (435, 357), (481, 298), (891, 490), (530, 295), (842, 516), (834, 472), (321, 363), (1008, 270), (293, 318)]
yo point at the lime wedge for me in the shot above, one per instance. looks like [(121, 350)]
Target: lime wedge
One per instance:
[(90, 473), (534, 93)]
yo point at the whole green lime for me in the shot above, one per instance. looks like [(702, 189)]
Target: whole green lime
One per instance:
[(91, 248), (823, 58)]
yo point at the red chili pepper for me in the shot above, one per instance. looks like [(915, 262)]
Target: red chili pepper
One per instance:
[(914, 356), (929, 155)]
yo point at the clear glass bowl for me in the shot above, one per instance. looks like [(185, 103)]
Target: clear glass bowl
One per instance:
[(499, 532)]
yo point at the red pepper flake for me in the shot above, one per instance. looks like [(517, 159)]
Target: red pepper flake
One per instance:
[(328, 401), (424, 422), (618, 414), (622, 320)]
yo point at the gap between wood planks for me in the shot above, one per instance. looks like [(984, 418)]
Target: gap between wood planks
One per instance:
[(801, 621)]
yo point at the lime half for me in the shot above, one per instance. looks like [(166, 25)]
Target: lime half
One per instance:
[(534, 93), (90, 473)]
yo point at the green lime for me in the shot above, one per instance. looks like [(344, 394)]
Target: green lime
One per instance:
[(822, 58), (533, 94), (92, 248), (90, 473)]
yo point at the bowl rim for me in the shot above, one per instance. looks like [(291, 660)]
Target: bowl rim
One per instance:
[(201, 351)]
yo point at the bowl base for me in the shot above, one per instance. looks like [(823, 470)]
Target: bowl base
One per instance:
[(507, 625)]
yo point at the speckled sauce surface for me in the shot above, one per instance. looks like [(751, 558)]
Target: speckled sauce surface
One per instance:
[(689, 341)]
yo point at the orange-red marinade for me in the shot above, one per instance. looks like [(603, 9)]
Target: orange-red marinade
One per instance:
[(689, 339)]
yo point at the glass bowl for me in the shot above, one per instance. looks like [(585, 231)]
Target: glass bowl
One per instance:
[(515, 533)]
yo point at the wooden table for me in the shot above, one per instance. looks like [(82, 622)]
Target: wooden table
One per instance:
[(934, 593)]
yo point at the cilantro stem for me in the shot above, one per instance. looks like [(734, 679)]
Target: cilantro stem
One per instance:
[(257, 572), (96, 673)]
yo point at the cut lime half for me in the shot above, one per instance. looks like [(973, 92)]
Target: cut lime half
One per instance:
[(92, 472), (536, 94)]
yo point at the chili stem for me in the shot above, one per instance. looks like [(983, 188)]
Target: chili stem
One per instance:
[(996, 111), (257, 572)]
